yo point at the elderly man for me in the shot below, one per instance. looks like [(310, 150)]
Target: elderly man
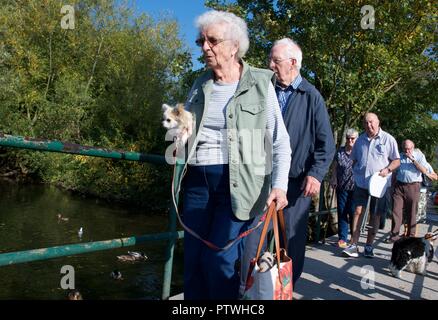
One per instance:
[(374, 151), (311, 141), (407, 188)]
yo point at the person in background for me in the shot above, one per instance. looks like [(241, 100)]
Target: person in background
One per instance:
[(407, 189), (232, 171), (374, 151), (342, 180)]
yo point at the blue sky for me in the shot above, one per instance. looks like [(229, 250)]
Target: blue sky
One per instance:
[(184, 11)]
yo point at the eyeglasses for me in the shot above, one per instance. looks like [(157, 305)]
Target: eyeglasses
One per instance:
[(212, 42), (278, 61), (351, 138)]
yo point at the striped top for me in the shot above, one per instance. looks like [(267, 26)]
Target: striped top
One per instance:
[(212, 146)]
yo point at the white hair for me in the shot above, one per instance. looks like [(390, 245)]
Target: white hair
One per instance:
[(351, 133), (293, 50), (235, 27)]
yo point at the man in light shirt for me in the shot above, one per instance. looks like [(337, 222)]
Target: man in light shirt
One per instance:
[(374, 151), (407, 189)]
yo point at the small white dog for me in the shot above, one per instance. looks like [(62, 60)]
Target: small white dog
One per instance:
[(266, 261), (412, 254), (180, 120)]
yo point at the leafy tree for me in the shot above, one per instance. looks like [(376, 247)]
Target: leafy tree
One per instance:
[(357, 70), (101, 83), (407, 112)]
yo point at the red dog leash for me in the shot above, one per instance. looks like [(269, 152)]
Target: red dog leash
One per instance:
[(197, 236)]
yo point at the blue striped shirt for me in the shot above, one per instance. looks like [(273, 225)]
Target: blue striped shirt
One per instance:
[(408, 172), (284, 94)]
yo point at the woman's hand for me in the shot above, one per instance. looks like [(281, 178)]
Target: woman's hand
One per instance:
[(278, 195)]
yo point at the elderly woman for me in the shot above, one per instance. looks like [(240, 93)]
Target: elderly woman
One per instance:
[(237, 160), (342, 180)]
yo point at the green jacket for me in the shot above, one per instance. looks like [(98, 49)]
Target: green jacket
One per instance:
[(249, 170)]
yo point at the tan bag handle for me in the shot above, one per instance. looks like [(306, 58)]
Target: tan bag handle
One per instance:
[(276, 238), (282, 227), (265, 230), (277, 218)]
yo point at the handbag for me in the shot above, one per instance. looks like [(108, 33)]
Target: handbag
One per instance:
[(275, 283)]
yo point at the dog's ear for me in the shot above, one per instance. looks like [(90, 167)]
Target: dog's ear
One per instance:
[(164, 107), (180, 108)]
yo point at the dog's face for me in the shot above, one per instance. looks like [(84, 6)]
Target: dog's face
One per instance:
[(266, 261), (178, 122), (74, 295), (170, 117)]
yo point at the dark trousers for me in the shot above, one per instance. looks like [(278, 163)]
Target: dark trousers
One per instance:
[(296, 216), (210, 274), (405, 198), (345, 207)]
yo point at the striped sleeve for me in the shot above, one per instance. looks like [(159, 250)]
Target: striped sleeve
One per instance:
[(281, 144)]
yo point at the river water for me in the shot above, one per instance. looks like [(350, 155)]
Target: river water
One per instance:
[(29, 220)]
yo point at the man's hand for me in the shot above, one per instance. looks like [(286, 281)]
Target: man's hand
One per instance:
[(311, 186), (432, 176), (410, 154), (278, 195), (384, 172)]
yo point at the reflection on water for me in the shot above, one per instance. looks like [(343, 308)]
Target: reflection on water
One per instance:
[(29, 220)]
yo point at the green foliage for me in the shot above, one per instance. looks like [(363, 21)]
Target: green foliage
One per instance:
[(101, 83), (391, 69)]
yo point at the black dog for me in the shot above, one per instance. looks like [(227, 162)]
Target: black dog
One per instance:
[(412, 254)]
